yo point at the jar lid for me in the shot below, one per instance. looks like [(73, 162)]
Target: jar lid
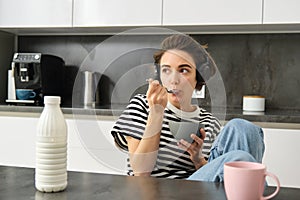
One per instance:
[(52, 99), (253, 96)]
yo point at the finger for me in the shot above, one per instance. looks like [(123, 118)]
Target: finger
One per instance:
[(158, 96), (149, 80), (192, 149), (153, 85), (203, 133), (183, 147), (196, 139), (184, 143), (151, 89), (197, 143)]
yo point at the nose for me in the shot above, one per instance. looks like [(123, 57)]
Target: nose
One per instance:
[(175, 78)]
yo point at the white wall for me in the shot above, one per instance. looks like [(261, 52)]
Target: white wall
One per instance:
[(17, 148)]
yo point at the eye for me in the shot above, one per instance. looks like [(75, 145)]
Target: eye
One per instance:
[(165, 70), (184, 70)]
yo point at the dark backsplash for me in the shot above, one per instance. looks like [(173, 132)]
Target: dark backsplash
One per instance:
[(260, 64)]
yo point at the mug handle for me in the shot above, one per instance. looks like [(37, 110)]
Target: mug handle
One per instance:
[(277, 182), (33, 94)]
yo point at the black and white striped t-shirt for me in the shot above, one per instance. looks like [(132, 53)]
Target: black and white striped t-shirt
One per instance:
[(172, 162)]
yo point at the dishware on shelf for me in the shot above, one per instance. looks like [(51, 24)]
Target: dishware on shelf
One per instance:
[(25, 94)]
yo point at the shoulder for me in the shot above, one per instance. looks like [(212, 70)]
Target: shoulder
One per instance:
[(139, 98), (139, 101), (205, 113), (207, 116), (138, 106)]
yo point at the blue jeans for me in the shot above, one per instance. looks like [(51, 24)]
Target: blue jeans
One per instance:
[(239, 140)]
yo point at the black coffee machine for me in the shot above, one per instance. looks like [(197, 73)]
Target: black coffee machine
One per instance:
[(41, 73)]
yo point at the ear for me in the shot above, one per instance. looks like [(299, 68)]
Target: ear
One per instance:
[(205, 72)]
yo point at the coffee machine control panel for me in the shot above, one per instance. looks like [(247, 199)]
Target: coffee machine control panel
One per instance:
[(27, 57)]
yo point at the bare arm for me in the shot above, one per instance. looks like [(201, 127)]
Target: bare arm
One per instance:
[(143, 153)]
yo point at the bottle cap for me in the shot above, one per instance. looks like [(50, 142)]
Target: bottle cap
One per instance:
[(51, 99)]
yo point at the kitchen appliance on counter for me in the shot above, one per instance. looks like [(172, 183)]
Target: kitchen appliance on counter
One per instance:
[(41, 73), (92, 90)]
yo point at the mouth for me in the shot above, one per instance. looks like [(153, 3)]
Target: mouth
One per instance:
[(169, 91), (173, 91)]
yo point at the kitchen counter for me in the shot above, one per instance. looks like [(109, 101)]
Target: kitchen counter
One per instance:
[(278, 116), (291, 117), (18, 183)]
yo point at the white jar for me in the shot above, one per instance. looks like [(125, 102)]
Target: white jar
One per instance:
[(254, 103), (51, 148)]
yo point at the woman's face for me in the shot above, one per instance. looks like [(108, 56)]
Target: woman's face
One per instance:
[(178, 73)]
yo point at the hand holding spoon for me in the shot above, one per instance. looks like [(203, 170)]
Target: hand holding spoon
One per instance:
[(168, 90)]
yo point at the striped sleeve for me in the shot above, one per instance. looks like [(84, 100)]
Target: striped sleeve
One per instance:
[(132, 122), (212, 129)]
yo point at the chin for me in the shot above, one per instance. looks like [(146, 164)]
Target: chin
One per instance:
[(176, 100)]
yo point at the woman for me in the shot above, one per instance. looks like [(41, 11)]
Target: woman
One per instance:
[(143, 128)]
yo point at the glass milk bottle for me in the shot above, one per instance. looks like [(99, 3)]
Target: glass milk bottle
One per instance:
[(51, 148)]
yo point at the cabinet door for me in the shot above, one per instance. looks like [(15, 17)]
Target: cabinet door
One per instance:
[(281, 12), (89, 13), (281, 155), (35, 13), (212, 12)]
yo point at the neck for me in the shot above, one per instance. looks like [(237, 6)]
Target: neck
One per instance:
[(184, 107)]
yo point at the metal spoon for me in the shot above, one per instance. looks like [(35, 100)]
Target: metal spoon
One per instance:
[(170, 91)]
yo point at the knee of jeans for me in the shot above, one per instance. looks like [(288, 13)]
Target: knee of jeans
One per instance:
[(240, 155), (238, 122), (243, 124)]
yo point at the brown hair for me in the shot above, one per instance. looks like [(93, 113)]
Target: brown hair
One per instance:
[(205, 66)]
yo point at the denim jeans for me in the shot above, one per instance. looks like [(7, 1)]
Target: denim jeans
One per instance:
[(239, 140)]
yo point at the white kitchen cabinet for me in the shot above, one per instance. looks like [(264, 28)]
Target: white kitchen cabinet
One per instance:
[(281, 155), (95, 13), (35, 13), (17, 146), (281, 12), (212, 12)]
